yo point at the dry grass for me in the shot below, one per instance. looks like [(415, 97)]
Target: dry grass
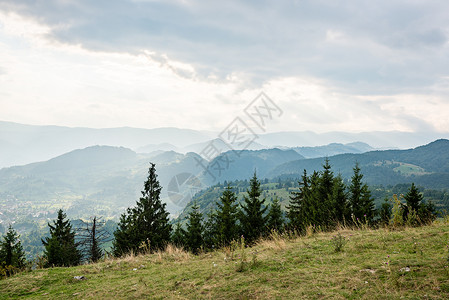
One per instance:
[(279, 267)]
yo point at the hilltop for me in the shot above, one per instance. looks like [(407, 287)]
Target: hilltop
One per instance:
[(373, 264), (427, 165)]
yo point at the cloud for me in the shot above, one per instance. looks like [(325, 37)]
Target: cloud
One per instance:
[(388, 43), (332, 66)]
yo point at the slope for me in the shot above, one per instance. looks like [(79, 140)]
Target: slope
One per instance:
[(426, 165), (373, 264)]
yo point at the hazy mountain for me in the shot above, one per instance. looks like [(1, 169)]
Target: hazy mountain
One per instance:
[(233, 165), (378, 139), (22, 144), (333, 149), (157, 147), (100, 180), (425, 165), (220, 145)]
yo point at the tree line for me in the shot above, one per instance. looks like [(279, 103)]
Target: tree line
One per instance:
[(322, 201)]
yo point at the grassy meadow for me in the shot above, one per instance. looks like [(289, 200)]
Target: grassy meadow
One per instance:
[(356, 263)]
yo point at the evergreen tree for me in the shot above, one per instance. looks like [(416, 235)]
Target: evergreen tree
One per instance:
[(362, 204), (178, 236), (367, 204), (252, 217), (385, 212), (211, 230), (60, 247), (355, 190), (12, 255), (413, 198), (275, 216), (146, 223), (340, 201), (226, 217), (416, 208), (426, 213), (125, 236), (194, 232), (313, 206), (325, 208), (296, 208)]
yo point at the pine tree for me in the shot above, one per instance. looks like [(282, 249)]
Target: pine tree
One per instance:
[(341, 209), (194, 232), (147, 223), (362, 204), (325, 208), (226, 217), (355, 190), (275, 217), (125, 236), (367, 204), (296, 207), (413, 198), (313, 206), (252, 216), (60, 247), (211, 230), (178, 236), (416, 208), (12, 255), (385, 212)]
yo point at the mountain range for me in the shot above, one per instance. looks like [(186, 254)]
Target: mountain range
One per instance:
[(22, 144), (426, 165)]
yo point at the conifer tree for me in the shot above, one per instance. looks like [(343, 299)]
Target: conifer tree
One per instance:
[(211, 230), (313, 207), (147, 223), (297, 206), (12, 255), (413, 198), (325, 208), (275, 216), (194, 232), (125, 236), (60, 247), (362, 204), (226, 217), (385, 212), (416, 208), (367, 204), (339, 201), (252, 217), (178, 236), (355, 190)]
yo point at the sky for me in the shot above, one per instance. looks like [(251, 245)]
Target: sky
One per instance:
[(350, 66)]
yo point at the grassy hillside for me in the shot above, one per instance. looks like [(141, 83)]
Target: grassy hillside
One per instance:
[(373, 264)]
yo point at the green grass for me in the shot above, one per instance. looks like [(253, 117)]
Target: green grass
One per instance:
[(410, 169), (278, 268)]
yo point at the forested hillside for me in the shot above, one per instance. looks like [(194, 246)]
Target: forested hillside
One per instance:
[(426, 165)]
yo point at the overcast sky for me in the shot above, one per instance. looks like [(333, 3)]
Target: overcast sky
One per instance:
[(329, 65)]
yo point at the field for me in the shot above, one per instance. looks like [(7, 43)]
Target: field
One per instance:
[(408, 263)]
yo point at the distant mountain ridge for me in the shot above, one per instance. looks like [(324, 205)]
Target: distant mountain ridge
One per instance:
[(333, 149), (97, 178), (427, 165), (232, 165), (22, 144)]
